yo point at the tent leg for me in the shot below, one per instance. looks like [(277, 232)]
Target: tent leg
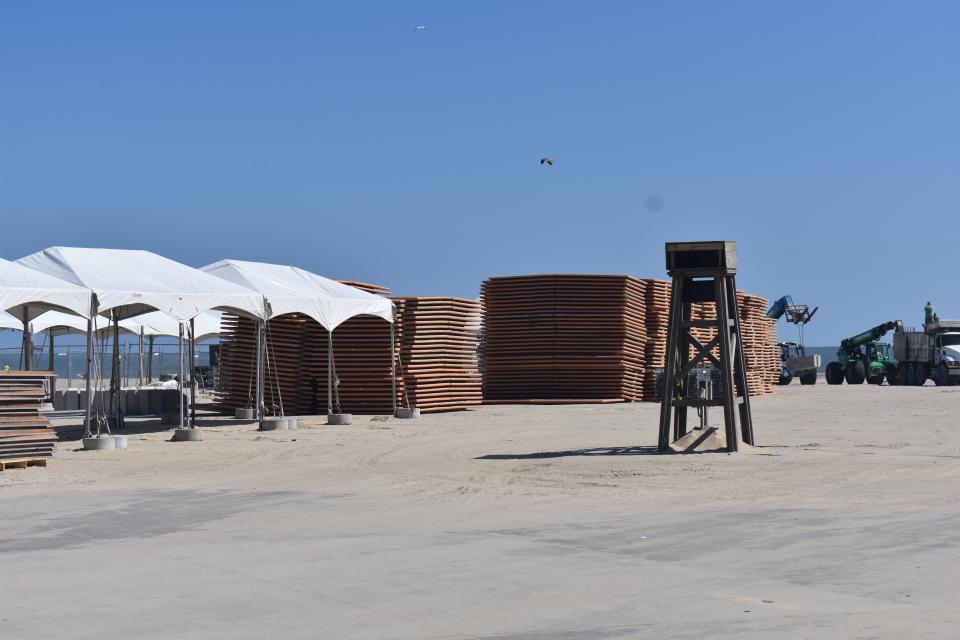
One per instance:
[(393, 363), (150, 362), (140, 369), (180, 376), (193, 380), (27, 341), (88, 433), (329, 372), (258, 367), (115, 383), (50, 356)]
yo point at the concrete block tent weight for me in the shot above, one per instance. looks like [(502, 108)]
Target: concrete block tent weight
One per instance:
[(287, 289), (128, 283)]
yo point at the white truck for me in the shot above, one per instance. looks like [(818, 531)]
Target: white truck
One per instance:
[(933, 352)]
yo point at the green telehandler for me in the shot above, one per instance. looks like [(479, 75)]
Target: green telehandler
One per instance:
[(862, 357)]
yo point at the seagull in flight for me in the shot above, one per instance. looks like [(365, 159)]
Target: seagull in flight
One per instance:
[(546, 160), (420, 27)]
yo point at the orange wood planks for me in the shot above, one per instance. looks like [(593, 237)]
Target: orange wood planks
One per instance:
[(595, 338), (25, 433)]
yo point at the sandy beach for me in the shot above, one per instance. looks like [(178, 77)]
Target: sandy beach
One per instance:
[(506, 522)]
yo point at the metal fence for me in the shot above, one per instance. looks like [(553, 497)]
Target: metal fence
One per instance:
[(70, 362)]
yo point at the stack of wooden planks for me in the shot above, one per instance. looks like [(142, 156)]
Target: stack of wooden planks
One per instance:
[(563, 338), (576, 338), (437, 343), (26, 438)]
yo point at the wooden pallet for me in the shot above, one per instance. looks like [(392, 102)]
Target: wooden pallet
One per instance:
[(22, 463)]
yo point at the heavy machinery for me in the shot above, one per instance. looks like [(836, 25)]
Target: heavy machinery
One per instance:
[(933, 352), (794, 361), (863, 357)]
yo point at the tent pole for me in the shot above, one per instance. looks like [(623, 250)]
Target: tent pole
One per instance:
[(180, 376), (115, 372), (50, 361), (193, 379), (140, 369), (329, 372), (93, 310), (393, 362), (261, 365), (150, 362), (257, 369), (27, 340)]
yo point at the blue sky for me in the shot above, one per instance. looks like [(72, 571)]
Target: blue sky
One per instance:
[(822, 136)]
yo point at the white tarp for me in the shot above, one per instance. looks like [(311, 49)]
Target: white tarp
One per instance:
[(39, 292), (155, 323), (132, 282), (292, 290)]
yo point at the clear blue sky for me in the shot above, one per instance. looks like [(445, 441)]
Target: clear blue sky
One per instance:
[(823, 136)]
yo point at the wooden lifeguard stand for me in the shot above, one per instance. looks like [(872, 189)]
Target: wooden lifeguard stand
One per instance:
[(704, 272)]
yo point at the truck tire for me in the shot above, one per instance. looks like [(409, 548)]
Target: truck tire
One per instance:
[(943, 376), (921, 371), (893, 377), (784, 380), (878, 379), (856, 372), (809, 378), (903, 374), (834, 373)]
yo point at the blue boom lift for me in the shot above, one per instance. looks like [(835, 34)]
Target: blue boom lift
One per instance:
[(794, 361)]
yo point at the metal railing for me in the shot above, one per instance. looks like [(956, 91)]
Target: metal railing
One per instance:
[(70, 362)]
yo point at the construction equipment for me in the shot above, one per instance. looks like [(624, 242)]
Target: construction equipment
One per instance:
[(933, 352), (863, 357), (794, 361)]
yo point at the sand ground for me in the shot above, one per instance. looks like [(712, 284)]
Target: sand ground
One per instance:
[(507, 522)]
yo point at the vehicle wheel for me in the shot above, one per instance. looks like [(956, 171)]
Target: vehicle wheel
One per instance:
[(785, 380), (809, 378), (942, 379), (893, 377), (834, 373), (875, 379), (856, 372), (903, 374), (921, 372)]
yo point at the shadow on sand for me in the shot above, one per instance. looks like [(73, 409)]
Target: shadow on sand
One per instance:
[(598, 451)]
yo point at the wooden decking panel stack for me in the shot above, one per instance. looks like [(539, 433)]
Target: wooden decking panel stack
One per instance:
[(25, 433), (563, 337), (437, 343)]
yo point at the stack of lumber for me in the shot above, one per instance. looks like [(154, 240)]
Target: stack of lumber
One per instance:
[(581, 338), (657, 310), (437, 343), (556, 338), (25, 434), (758, 333)]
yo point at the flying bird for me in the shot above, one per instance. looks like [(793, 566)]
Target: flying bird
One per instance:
[(420, 27), (547, 160)]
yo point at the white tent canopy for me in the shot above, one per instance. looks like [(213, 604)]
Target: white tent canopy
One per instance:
[(292, 290), (155, 323), (26, 293), (7, 321), (61, 324), (206, 325), (131, 282)]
